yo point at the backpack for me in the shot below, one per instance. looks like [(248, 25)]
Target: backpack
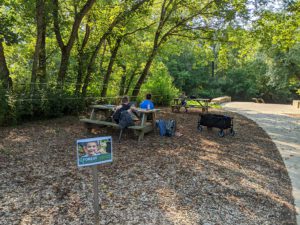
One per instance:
[(166, 127), (117, 114), (170, 128), (161, 124), (125, 120)]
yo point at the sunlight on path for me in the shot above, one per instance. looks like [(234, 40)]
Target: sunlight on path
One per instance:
[(282, 123)]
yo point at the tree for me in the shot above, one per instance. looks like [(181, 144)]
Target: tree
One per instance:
[(66, 48), (176, 19), (8, 36), (39, 58), (118, 17)]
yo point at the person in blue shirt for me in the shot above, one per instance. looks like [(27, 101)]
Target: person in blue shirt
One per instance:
[(147, 103)]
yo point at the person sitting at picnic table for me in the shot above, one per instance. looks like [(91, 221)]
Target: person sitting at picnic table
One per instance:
[(125, 105), (147, 103), (183, 101)]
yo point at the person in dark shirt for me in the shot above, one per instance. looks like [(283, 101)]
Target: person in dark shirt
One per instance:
[(183, 101), (125, 105)]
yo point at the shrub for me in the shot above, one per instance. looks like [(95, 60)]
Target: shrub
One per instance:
[(160, 85), (7, 109)]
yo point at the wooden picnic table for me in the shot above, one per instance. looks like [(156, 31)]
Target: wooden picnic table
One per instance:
[(106, 121), (105, 110), (202, 103)]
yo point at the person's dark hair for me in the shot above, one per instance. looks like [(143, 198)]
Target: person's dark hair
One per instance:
[(125, 99), (148, 96)]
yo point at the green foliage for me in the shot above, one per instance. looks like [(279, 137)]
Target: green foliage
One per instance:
[(188, 74), (160, 85), (254, 58), (43, 104), (7, 109), (7, 31)]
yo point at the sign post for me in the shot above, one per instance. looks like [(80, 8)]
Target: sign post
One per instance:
[(96, 195), (91, 152)]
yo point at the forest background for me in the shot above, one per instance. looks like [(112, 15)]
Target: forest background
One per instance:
[(56, 57)]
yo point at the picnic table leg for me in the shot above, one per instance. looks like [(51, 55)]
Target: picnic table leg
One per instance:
[(178, 108), (143, 119), (153, 120), (92, 117), (120, 135), (141, 136), (141, 133)]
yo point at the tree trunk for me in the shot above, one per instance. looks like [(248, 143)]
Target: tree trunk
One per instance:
[(144, 74), (123, 81), (39, 57), (121, 17), (102, 70), (90, 66), (65, 55), (130, 81), (81, 60), (66, 49), (110, 67), (42, 70), (4, 72), (122, 85)]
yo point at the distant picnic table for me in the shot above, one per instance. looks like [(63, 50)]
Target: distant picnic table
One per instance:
[(105, 120), (202, 103), (258, 100)]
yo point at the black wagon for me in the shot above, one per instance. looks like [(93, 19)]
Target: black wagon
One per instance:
[(214, 120)]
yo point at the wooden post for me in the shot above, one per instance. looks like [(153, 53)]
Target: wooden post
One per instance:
[(96, 196)]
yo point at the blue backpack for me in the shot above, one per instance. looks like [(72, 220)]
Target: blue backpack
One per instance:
[(166, 127), (161, 124)]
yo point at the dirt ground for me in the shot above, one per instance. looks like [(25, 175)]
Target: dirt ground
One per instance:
[(196, 178)]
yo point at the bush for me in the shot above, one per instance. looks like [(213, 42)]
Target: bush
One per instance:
[(42, 104), (160, 85), (7, 109)]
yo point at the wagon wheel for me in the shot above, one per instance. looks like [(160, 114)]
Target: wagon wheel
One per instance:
[(221, 133), (232, 132)]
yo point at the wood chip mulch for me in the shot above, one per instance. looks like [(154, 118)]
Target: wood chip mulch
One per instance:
[(193, 178)]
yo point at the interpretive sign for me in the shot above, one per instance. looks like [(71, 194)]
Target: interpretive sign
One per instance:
[(93, 151)]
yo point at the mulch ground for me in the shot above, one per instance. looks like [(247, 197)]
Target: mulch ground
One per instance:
[(197, 178)]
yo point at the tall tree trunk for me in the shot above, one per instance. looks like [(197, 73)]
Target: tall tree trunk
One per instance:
[(102, 70), (121, 17), (130, 81), (81, 60), (90, 67), (122, 85), (156, 44), (110, 66), (42, 74), (162, 34), (66, 49), (39, 57), (4, 72), (144, 74), (123, 81)]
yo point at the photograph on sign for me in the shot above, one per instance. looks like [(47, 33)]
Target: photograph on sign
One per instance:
[(93, 151)]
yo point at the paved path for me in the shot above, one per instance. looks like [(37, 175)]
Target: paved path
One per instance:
[(282, 123)]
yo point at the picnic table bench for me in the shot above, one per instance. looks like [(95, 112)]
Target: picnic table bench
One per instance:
[(202, 104), (107, 111)]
